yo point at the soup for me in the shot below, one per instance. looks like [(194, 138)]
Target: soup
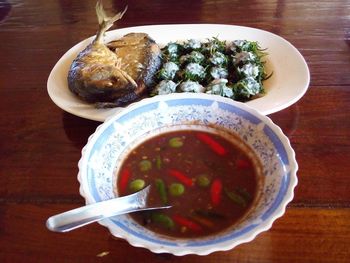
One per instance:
[(210, 181)]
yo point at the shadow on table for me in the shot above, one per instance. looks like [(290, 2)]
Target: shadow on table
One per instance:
[(5, 9), (78, 129), (287, 119)]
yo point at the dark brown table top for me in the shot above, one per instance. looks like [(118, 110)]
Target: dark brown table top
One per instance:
[(40, 144)]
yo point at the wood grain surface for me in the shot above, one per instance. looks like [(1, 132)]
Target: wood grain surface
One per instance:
[(40, 144)]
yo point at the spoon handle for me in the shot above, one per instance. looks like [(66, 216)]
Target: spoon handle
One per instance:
[(94, 212), (88, 214)]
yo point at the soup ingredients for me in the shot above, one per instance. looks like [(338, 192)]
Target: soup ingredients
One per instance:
[(187, 224), (233, 69), (181, 177), (158, 162), (163, 220), (211, 181), (124, 180), (113, 75), (215, 192), (215, 146), (162, 191), (203, 180), (145, 165), (243, 164), (176, 142), (176, 189), (137, 185), (238, 199)]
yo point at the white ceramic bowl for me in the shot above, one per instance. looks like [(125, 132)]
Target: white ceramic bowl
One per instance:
[(105, 148)]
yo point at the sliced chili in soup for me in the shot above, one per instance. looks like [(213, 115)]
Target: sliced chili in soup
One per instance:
[(209, 181)]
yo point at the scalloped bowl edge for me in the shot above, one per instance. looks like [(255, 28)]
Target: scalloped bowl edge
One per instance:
[(202, 251)]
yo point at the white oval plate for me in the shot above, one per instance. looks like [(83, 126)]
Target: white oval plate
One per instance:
[(287, 85)]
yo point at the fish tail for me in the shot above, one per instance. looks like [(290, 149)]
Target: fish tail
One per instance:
[(105, 22)]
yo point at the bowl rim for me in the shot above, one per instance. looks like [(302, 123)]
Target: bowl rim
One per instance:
[(198, 250)]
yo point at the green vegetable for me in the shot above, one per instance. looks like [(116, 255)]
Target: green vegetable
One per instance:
[(176, 189), (249, 46), (176, 142), (171, 51), (192, 44), (246, 88), (244, 193), (163, 220), (236, 198), (218, 59), (214, 45), (241, 62), (137, 185), (194, 72), (145, 165), (164, 87), (158, 162), (218, 73), (194, 57), (218, 87), (168, 71), (160, 185), (203, 180), (191, 86)]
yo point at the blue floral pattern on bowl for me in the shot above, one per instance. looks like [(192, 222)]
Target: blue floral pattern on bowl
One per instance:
[(112, 140)]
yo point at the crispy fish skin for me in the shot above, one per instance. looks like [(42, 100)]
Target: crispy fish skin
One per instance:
[(140, 58), (93, 75), (99, 75)]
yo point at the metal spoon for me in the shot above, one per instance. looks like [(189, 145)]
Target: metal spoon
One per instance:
[(82, 216)]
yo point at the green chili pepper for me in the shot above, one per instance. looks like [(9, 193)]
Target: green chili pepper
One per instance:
[(244, 193), (176, 189), (236, 198), (137, 185), (160, 185), (145, 165), (163, 220), (158, 162)]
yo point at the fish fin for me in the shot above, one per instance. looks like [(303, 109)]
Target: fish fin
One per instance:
[(105, 22)]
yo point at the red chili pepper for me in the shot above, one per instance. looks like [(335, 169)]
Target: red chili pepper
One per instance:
[(215, 192), (183, 221), (214, 145), (124, 180), (181, 177), (243, 164)]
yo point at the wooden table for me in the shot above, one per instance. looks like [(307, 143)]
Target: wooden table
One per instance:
[(40, 144)]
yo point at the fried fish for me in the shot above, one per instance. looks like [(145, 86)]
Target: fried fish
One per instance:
[(118, 73)]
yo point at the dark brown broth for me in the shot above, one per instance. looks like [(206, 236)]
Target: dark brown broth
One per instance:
[(199, 210)]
